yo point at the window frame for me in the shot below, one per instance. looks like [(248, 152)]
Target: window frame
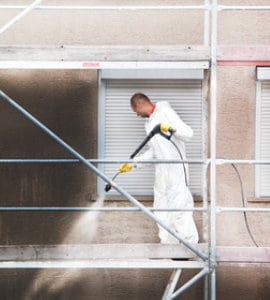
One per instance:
[(104, 75), (263, 74)]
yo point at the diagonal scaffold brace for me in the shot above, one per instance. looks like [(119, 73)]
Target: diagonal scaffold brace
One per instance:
[(100, 174)]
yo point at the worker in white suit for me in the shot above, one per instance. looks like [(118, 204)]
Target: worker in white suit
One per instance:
[(171, 180)]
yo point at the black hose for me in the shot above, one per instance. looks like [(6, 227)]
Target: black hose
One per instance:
[(181, 156), (243, 204)]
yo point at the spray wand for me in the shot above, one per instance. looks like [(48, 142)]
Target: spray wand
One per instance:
[(152, 133)]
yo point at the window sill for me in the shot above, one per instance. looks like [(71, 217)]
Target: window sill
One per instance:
[(259, 199)]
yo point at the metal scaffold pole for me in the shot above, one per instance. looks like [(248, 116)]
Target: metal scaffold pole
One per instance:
[(26, 10), (110, 7), (213, 86)]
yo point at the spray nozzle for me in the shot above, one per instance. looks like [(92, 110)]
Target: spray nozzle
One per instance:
[(108, 187)]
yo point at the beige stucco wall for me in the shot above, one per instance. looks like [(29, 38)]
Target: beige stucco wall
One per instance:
[(66, 101), (236, 114), (106, 27)]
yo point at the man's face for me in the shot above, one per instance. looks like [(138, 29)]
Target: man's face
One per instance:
[(140, 109)]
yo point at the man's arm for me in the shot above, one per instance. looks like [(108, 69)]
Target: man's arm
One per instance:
[(147, 155), (182, 130)]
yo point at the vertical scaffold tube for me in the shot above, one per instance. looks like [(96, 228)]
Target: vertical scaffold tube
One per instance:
[(213, 87)]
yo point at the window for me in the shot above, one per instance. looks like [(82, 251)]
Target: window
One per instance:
[(262, 184), (121, 131)]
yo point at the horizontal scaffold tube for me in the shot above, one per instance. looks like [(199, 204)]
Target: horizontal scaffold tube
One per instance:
[(101, 161), (242, 209), (244, 7), (150, 161), (111, 7), (105, 209), (138, 7)]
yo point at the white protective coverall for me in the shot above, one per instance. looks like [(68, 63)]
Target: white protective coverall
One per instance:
[(170, 189)]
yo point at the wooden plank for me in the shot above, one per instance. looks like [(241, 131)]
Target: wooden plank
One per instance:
[(93, 56), (104, 264), (96, 251), (104, 53), (243, 254)]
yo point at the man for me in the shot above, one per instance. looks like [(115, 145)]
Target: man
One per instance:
[(171, 180)]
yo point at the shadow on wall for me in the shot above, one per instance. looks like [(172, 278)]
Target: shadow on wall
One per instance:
[(66, 102)]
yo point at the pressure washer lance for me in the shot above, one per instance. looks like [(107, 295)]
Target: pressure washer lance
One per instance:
[(153, 132)]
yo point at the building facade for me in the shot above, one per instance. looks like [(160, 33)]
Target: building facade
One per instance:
[(89, 109)]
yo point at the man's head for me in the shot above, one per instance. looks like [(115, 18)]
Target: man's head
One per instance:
[(141, 105)]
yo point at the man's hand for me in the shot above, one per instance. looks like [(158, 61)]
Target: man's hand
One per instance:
[(165, 128), (124, 168)]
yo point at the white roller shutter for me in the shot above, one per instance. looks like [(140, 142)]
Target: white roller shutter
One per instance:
[(263, 139), (123, 131)]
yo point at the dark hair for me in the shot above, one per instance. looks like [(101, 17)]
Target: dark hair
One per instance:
[(138, 97)]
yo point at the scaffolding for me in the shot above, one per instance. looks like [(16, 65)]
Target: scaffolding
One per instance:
[(204, 257)]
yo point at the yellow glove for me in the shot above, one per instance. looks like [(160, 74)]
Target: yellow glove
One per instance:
[(124, 168), (166, 128)]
